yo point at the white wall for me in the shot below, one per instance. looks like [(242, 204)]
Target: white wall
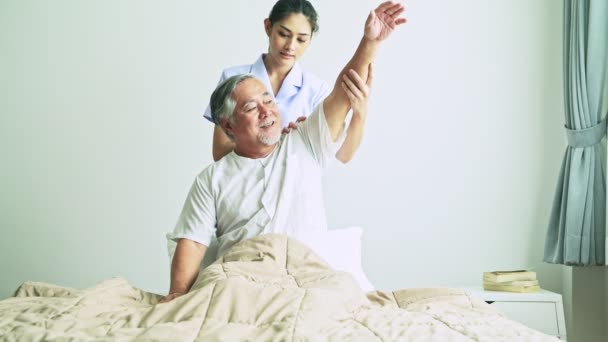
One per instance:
[(459, 164), (102, 134)]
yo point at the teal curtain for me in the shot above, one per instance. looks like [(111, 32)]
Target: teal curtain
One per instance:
[(577, 226)]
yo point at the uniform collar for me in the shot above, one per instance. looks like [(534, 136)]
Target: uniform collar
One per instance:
[(291, 84), (259, 69), (294, 77)]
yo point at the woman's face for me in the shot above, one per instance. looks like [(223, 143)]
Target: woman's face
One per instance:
[(288, 38)]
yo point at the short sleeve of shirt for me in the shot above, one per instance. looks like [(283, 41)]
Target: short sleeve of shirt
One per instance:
[(198, 217), (324, 90), (317, 137), (207, 114)]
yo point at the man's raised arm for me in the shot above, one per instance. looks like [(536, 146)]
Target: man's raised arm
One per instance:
[(378, 26)]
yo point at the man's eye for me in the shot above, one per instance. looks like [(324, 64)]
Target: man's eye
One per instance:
[(268, 101), (283, 34), (250, 109), (302, 41)]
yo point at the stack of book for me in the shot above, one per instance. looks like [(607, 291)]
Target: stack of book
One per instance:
[(511, 281)]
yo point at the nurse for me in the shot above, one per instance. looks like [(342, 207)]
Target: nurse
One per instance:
[(290, 28)]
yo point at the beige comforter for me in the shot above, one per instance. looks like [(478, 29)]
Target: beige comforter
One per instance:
[(269, 288)]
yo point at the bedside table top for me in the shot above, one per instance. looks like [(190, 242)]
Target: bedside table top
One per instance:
[(538, 296)]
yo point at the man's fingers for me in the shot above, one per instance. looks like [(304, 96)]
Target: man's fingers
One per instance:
[(385, 5), (168, 298), (396, 12), (396, 8), (300, 119)]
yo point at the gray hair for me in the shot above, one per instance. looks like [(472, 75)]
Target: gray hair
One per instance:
[(222, 104)]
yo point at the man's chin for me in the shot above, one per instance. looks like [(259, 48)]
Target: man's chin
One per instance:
[(269, 140)]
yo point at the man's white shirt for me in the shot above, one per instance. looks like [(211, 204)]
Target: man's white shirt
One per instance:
[(280, 193)]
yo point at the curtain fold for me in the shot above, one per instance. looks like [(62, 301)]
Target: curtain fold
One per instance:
[(577, 226)]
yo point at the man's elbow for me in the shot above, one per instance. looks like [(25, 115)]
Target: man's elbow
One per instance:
[(344, 157)]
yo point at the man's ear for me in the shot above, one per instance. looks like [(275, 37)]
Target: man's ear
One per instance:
[(227, 126), (267, 26)]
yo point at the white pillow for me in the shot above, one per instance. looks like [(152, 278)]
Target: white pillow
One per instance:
[(341, 248)]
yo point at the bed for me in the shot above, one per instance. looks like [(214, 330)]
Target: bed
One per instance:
[(269, 288)]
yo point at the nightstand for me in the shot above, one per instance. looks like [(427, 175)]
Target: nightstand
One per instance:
[(542, 310)]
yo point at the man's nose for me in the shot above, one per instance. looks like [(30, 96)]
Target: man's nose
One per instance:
[(263, 109)]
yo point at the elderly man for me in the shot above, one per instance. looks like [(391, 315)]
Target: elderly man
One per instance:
[(271, 182)]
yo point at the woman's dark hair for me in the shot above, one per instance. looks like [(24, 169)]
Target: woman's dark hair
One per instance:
[(284, 8)]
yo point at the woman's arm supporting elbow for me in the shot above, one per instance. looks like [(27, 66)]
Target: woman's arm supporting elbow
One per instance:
[(222, 145), (353, 139)]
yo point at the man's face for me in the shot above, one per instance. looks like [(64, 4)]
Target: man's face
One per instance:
[(257, 122)]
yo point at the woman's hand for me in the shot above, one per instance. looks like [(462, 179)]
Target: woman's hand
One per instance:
[(358, 91), (293, 125), (383, 20)]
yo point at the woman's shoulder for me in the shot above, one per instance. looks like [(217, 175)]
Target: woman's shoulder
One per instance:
[(310, 77), (313, 81), (254, 68)]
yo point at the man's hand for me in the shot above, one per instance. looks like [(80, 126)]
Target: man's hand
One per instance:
[(293, 125), (357, 91), (383, 20), (170, 297)]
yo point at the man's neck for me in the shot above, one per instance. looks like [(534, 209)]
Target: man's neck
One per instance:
[(255, 153)]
